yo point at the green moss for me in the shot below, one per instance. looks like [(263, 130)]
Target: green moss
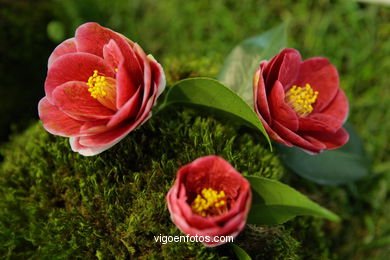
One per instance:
[(188, 66), (58, 203), (55, 203), (263, 242)]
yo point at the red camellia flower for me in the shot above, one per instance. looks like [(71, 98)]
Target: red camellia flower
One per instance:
[(209, 198), (300, 102), (99, 87)]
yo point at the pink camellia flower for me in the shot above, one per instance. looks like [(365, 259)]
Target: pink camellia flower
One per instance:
[(300, 102), (209, 199), (99, 87)]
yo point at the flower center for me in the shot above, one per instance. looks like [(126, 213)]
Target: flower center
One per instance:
[(209, 202), (301, 99), (97, 85)]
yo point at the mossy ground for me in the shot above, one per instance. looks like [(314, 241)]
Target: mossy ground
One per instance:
[(60, 204), (56, 204)]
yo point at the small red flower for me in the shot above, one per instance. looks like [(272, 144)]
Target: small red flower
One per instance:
[(209, 198), (300, 102), (99, 87)]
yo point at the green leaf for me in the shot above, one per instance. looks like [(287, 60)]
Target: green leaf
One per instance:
[(343, 165), (211, 94), (275, 203), (240, 253), (241, 64)]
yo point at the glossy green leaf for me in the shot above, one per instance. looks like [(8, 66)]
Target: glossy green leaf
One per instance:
[(241, 64), (211, 94), (275, 203), (343, 165), (240, 253)]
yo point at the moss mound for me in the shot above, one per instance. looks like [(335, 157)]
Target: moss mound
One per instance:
[(57, 203)]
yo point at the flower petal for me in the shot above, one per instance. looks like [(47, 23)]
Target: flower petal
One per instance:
[(74, 99), (112, 54), (280, 110), (338, 108), (133, 82), (231, 228), (224, 176), (322, 77), (108, 137), (319, 122), (67, 46), (272, 134), (260, 95), (242, 204), (147, 76), (193, 219), (209, 171), (130, 73), (289, 68), (196, 176), (331, 141), (57, 122), (282, 66), (126, 87), (128, 111), (273, 65), (215, 230), (157, 75), (91, 38), (295, 138), (74, 67), (84, 150), (115, 134), (94, 127), (331, 119)]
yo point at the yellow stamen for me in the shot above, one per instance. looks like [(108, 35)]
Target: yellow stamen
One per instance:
[(301, 99), (209, 202), (116, 69), (97, 85)]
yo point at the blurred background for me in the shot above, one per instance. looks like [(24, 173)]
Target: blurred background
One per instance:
[(355, 36)]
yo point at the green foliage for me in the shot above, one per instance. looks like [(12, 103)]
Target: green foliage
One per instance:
[(275, 203), (363, 208), (243, 61), (262, 242), (316, 238), (344, 165), (240, 253), (182, 66), (210, 94)]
